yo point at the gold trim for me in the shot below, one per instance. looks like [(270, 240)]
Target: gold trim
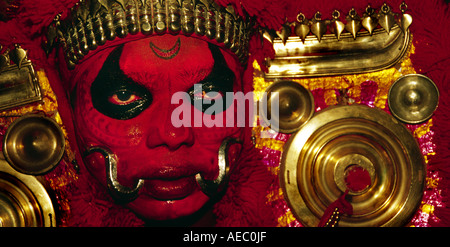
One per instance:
[(38, 210), (366, 53), (92, 22), (19, 84), (353, 135)]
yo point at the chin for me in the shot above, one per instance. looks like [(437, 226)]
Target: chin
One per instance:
[(150, 208)]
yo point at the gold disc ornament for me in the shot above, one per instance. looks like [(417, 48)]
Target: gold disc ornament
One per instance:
[(33, 144), (24, 201), (295, 106), (413, 98), (317, 159)]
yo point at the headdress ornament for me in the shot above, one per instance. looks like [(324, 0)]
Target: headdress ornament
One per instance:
[(91, 23)]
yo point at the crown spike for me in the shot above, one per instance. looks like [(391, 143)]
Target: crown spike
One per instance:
[(18, 55), (90, 35), (318, 27), (187, 17), (369, 21), (104, 3), (387, 19), (302, 28), (199, 19), (210, 24), (4, 59), (337, 26), (405, 22), (353, 23), (159, 17), (284, 32), (268, 34), (121, 3), (99, 32), (174, 16), (406, 19), (220, 26), (119, 20)]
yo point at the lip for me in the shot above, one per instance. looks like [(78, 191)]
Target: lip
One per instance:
[(172, 172), (170, 188), (151, 208), (169, 182)]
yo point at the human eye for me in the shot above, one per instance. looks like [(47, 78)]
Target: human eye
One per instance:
[(203, 96), (215, 86), (120, 101), (115, 95), (205, 92), (123, 97)]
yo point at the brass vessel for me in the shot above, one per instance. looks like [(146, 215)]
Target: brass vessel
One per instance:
[(23, 200), (317, 157), (295, 106), (33, 144), (413, 98)]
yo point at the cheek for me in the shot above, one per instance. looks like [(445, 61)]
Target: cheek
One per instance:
[(216, 128), (96, 166), (238, 112)]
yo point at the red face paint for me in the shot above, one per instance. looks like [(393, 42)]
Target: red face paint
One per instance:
[(145, 142)]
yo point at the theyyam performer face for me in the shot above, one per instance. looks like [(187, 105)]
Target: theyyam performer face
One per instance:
[(156, 136), (123, 101)]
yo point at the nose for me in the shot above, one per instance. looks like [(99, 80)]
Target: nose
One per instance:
[(166, 134)]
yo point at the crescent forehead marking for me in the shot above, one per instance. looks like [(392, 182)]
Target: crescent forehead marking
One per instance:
[(166, 54)]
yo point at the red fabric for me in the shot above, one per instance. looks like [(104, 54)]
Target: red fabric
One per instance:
[(432, 58), (91, 206), (357, 178), (342, 206), (244, 203)]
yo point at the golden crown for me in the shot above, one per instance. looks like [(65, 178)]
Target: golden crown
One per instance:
[(92, 22), (364, 42), (369, 22)]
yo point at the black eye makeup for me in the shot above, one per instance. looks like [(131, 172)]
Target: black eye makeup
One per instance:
[(117, 96), (114, 94), (214, 86)]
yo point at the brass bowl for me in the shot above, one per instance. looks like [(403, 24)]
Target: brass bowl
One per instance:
[(413, 98), (295, 106), (23, 200), (33, 144), (317, 158)]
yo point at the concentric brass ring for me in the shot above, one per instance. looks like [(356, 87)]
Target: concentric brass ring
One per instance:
[(316, 157), (413, 98), (295, 106), (33, 144), (23, 200)]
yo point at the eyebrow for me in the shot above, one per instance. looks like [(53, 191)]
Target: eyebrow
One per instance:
[(189, 77), (195, 75), (155, 80)]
